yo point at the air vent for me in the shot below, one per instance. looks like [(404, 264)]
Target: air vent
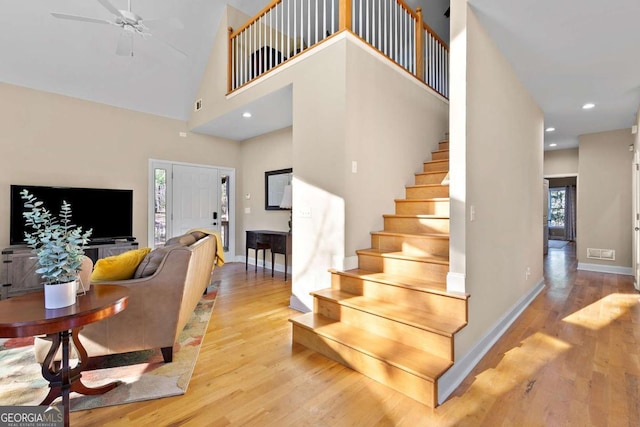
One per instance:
[(603, 254), (198, 105)]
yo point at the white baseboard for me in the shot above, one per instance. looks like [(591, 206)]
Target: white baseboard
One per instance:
[(296, 304), (459, 371), (252, 262), (456, 282), (599, 268)]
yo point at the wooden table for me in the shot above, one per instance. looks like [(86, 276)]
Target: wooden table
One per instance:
[(25, 316), (279, 242)]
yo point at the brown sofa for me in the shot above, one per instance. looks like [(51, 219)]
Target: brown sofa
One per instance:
[(159, 305)]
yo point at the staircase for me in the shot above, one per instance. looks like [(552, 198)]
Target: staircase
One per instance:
[(392, 318)]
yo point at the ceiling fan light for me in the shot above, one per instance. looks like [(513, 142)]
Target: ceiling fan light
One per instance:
[(588, 106)]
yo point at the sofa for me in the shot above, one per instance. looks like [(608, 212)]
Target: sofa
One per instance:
[(163, 293)]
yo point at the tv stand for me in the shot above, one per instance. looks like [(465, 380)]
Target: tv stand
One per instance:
[(19, 265)]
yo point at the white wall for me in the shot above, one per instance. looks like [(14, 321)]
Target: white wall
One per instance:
[(501, 147), (561, 162), (604, 215), (49, 139)]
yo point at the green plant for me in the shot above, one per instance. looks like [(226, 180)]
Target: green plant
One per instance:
[(55, 240)]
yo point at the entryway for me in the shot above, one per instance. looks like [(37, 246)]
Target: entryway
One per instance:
[(184, 196), (562, 210)]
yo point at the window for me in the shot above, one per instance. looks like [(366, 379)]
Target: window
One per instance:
[(160, 207), (557, 198)]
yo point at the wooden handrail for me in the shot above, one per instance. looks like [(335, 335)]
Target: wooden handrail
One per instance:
[(435, 36), (230, 61), (256, 17)]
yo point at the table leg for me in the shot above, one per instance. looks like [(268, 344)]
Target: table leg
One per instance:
[(64, 380), (272, 262), (285, 266)]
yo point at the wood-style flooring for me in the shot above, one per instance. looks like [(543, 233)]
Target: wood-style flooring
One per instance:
[(571, 359)]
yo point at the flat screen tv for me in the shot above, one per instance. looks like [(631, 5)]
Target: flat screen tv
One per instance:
[(109, 212)]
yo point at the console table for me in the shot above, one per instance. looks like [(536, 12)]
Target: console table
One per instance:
[(25, 316), (19, 265), (279, 242)]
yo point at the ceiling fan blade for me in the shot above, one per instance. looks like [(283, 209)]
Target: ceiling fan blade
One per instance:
[(180, 51), (79, 18), (111, 8), (125, 44)]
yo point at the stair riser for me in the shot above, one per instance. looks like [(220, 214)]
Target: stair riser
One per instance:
[(417, 388), (411, 245), (437, 344), (443, 145), (437, 304), (435, 166), (416, 225), (431, 178), (401, 267), (440, 155), (427, 192), (420, 207)]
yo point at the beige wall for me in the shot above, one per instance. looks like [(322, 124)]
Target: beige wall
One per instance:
[(561, 162), (604, 218), (258, 155), (48, 139), (502, 147)]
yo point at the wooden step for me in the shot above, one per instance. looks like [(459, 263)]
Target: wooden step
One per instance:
[(423, 244), (430, 178), (436, 166), (416, 224), (443, 145), (426, 191), (410, 326), (423, 294), (432, 267), (401, 367), (433, 206), (440, 155)]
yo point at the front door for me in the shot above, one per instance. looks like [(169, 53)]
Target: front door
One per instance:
[(636, 218), (196, 199)]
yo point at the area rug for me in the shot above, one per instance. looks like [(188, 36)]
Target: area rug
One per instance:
[(558, 244), (143, 374)]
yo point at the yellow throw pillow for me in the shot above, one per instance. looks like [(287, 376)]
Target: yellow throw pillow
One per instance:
[(118, 267)]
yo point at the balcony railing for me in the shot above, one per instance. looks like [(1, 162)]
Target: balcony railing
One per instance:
[(285, 28)]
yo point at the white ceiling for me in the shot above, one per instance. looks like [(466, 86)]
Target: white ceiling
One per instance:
[(566, 52)]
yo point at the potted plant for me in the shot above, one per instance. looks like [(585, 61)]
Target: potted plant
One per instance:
[(58, 245)]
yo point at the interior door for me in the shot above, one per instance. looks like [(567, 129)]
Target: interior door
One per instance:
[(636, 218), (196, 198)]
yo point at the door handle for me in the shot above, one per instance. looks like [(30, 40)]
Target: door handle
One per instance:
[(637, 229)]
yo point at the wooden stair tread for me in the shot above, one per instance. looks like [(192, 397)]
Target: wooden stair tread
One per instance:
[(399, 234), (437, 161), (417, 216), (422, 285), (421, 319), (443, 150), (433, 259), (431, 173), (401, 356), (425, 186)]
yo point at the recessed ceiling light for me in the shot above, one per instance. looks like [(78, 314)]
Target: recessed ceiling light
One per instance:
[(246, 114), (553, 145), (588, 106), (551, 129)]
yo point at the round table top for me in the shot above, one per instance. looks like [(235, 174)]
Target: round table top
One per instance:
[(25, 315)]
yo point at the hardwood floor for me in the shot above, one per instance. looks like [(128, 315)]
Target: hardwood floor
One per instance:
[(572, 358)]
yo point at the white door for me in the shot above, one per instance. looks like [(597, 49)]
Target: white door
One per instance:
[(636, 218), (196, 198), (184, 196), (545, 216)]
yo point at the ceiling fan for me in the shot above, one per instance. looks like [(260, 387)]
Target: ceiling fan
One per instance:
[(129, 22)]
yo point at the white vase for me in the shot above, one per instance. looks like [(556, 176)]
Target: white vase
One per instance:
[(60, 295)]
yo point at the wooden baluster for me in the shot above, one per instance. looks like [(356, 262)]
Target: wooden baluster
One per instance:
[(419, 46)]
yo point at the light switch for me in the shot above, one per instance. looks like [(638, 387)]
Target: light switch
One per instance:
[(247, 210)]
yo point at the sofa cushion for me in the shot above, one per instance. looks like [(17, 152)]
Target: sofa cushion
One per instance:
[(183, 240), (151, 262), (118, 267)]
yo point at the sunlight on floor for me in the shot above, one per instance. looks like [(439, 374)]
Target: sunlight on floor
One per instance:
[(604, 311)]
